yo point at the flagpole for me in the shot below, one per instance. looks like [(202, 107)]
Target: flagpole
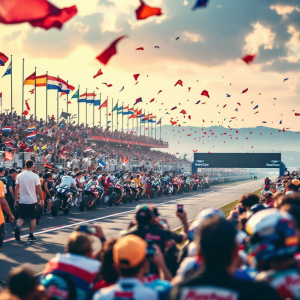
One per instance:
[(107, 112), (57, 105), (46, 97), (155, 129), (160, 128), (100, 111), (137, 123), (141, 124), (148, 123), (144, 123), (78, 103), (117, 115), (11, 89), (122, 116), (128, 122), (112, 115), (94, 111), (85, 108), (67, 102), (35, 93), (23, 90)]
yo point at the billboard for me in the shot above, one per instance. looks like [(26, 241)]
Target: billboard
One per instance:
[(237, 160)]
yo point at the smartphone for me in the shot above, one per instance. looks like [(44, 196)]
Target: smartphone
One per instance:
[(150, 250), (87, 229), (180, 208)]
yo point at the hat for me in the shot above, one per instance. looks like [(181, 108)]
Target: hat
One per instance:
[(129, 251), (296, 182), (143, 214), (1, 169)]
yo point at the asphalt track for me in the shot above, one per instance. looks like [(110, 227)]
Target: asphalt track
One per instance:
[(52, 232)]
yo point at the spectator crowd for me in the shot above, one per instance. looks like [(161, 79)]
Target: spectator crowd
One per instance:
[(253, 253)]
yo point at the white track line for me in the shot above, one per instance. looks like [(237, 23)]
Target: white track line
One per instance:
[(119, 214)]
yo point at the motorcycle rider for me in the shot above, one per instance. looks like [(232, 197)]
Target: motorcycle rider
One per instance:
[(156, 184), (69, 181)]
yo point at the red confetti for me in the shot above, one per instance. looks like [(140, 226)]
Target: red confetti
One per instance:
[(144, 11)]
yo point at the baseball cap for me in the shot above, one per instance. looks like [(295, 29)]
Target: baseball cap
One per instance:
[(129, 251), (296, 182), (143, 214)]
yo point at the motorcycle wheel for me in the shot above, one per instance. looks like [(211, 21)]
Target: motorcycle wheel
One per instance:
[(130, 198), (112, 199), (83, 203), (55, 207), (125, 199), (152, 193)]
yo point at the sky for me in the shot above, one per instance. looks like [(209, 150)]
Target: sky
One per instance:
[(207, 56)]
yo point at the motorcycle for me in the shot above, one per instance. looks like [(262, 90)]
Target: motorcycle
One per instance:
[(128, 192), (118, 194), (136, 192), (91, 197), (63, 200)]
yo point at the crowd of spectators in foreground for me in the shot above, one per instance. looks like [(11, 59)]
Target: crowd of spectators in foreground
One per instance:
[(66, 141), (251, 254)]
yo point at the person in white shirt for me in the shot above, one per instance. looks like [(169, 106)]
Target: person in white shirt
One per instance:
[(28, 185), (129, 255)]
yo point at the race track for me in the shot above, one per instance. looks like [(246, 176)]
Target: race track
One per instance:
[(53, 232)]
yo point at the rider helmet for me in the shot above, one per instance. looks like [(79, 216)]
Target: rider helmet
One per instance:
[(95, 177), (70, 173), (272, 236)]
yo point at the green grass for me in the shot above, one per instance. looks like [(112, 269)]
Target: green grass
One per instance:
[(227, 208)]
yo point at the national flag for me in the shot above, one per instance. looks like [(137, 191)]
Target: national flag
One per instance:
[(90, 97), (44, 147), (36, 80), (3, 59), (39, 13), (56, 83), (1, 99), (134, 115), (101, 163), (31, 128), (8, 155), (138, 100), (144, 11), (159, 122), (115, 108), (127, 111), (297, 114), (7, 129), (105, 56), (200, 3), (65, 115), (31, 135), (89, 149), (104, 104), (76, 95), (120, 109), (97, 102), (82, 98), (8, 70), (98, 73), (63, 93), (125, 159)]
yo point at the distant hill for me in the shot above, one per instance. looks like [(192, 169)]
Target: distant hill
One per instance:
[(262, 139)]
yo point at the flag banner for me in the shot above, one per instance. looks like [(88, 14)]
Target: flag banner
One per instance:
[(8, 155), (39, 13), (64, 115), (141, 116), (8, 70), (125, 159), (104, 104), (115, 108), (3, 59), (127, 111), (38, 80), (31, 128), (56, 83), (7, 129), (98, 74), (82, 98), (101, 163), (97, 102), (44, 147), (31, 135), (159, 122), (90, 97), (76, 95), (138, 100), (1, 99), (89, 149)]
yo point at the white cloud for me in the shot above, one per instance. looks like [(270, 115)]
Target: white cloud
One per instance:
[(293, 45), (194, 37), (219, 6), (284, 10), (260, 36), (185, 2), (80, 27)]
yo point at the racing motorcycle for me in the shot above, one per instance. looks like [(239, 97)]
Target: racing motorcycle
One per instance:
[(63, 200), (118, 194), (92, 195)]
